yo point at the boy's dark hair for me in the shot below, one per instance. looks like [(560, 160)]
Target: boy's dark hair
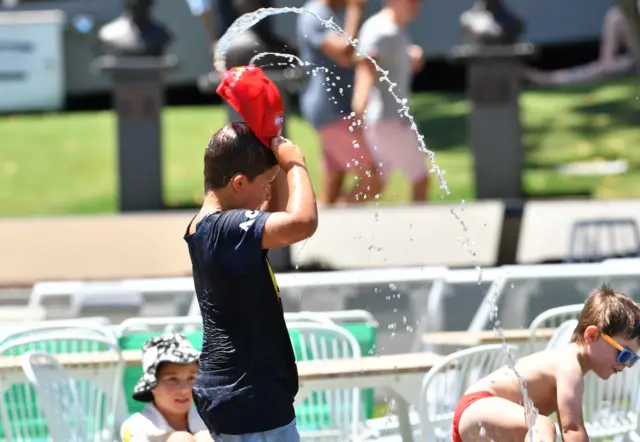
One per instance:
[(232, 150), (612, 313)]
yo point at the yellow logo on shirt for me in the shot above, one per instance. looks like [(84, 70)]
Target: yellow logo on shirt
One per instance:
[(126, 435), (273, 278)]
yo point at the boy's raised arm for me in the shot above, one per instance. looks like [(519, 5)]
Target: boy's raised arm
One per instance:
[(300, 218), (570, 390)]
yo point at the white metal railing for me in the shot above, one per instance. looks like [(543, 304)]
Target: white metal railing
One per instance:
[(442, 282), (441, 279), (170, 286), (544, 272)]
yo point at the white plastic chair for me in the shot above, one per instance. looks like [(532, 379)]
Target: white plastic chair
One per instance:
[(611, 408), (94, 327), (551, 318), (13, 328), (317, 341), (446, 383), (344, 316), (316, 317), (562, 336), (185, 324), (99, 383), (57, 397)]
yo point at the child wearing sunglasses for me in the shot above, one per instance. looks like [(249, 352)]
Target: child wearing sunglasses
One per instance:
[(605, 342)]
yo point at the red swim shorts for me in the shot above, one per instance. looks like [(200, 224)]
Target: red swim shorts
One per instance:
[(464, 403)]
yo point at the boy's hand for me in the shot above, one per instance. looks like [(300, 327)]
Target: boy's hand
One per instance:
[(358, 3), (287, 153), (417, 57)]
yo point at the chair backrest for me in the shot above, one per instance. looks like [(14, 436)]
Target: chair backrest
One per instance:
[(359, 323), (447, 381), (91, 327), (611, 407), (57, 397), (348, 316), (317, 317), (562, 336), (13, 330), (551, 318), (597, 239), (183, 324), (332, 409), (96, 363)]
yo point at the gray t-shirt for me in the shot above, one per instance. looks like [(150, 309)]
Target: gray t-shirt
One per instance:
[(320, 101), (382, 39)]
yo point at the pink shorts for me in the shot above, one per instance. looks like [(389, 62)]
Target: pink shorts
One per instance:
[(343, 150), (395, 146)]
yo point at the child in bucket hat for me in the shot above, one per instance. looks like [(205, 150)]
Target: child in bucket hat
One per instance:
[(170, 366)]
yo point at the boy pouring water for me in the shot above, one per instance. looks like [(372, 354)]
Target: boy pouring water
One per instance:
[(247, 377)]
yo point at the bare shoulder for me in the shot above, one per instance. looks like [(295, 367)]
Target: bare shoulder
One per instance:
[(568, 369), (546, 365)]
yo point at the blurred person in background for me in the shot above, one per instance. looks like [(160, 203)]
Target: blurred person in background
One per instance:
[(218, 20), (614, 58), (392, 142), (325, 100)]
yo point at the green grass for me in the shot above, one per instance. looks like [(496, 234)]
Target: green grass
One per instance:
[(66, 163)]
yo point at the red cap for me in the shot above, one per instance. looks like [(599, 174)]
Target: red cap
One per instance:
[(256, 98)]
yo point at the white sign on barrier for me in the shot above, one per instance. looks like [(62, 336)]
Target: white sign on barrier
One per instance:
[(31, 61)]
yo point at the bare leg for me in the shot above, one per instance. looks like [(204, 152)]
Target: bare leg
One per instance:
[(615, 35), (366, 187), (419, 189), (331, 187), (501, 420)]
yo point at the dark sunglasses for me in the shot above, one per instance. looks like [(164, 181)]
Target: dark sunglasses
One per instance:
[(625, 356)]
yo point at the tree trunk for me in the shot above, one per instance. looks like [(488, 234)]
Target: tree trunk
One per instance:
[(630, 11)]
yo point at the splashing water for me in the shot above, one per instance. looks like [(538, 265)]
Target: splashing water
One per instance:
[(530, 411), (246, 21), (289, 57)]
